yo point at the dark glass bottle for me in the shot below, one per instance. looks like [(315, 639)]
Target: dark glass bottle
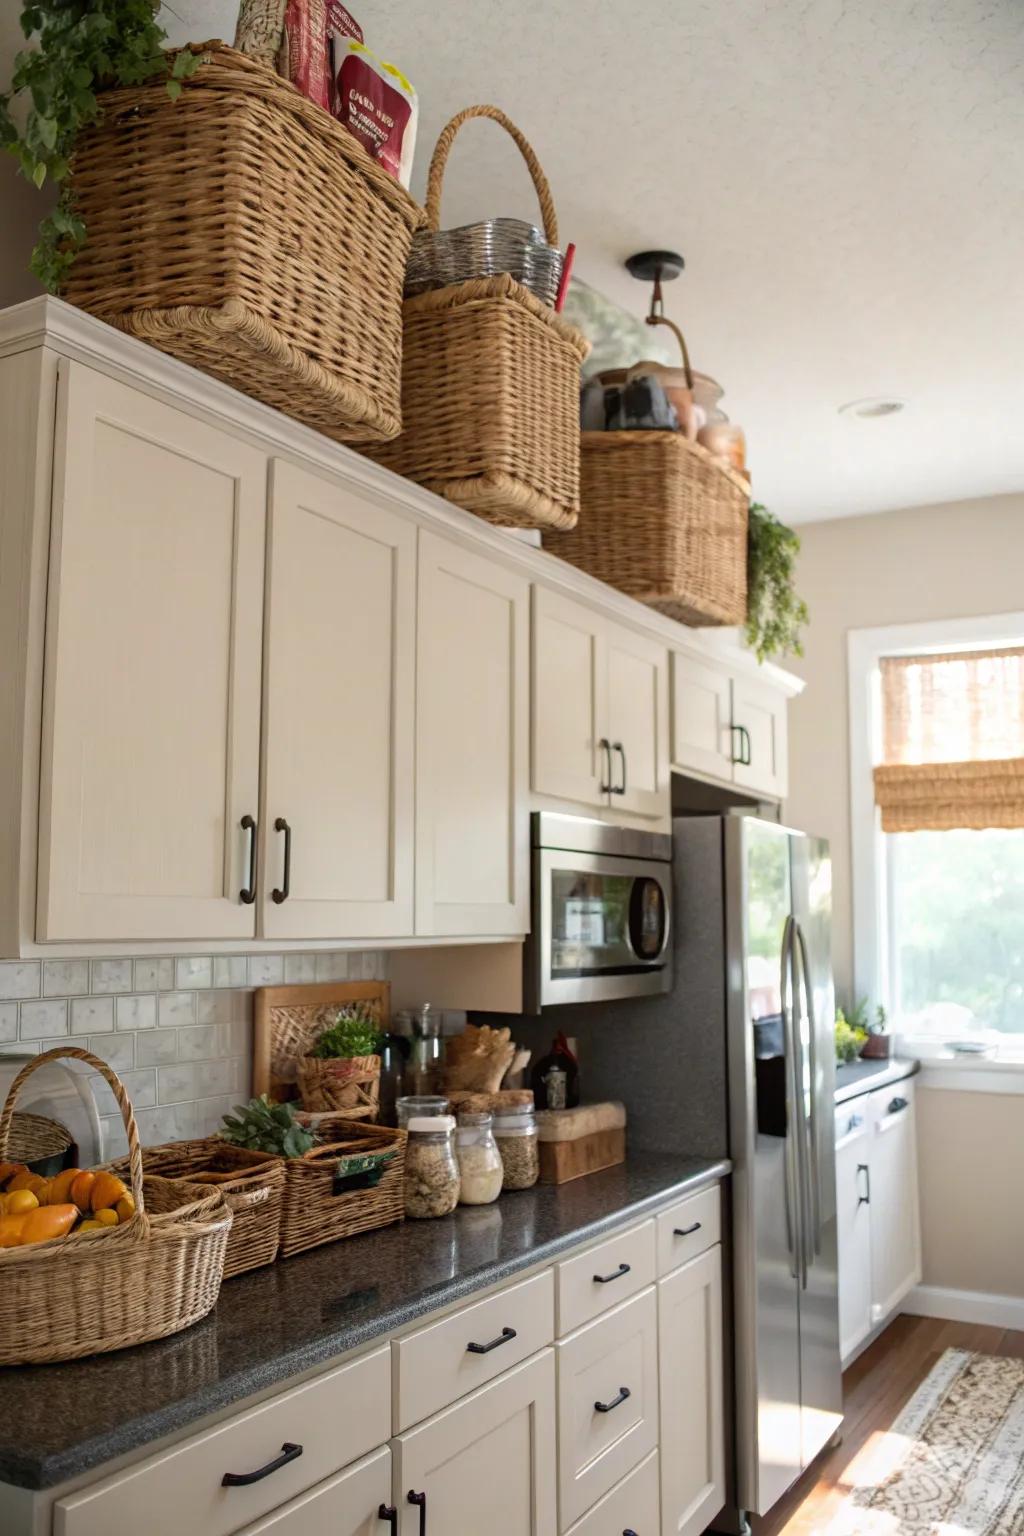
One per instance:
[(555, 1078)]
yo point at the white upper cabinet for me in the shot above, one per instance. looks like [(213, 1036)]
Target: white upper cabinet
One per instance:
[(151, 707), (759, 720), (472, 744), (728, 726), (701, 717), (600, 711), (339, 711)]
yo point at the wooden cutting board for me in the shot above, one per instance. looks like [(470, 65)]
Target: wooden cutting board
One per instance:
[(288, 1019)]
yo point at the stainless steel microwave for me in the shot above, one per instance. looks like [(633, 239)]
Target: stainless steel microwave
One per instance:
[(602, 912)]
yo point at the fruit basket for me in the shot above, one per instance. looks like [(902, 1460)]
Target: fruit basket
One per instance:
[(353, 1182), (87, 1293)]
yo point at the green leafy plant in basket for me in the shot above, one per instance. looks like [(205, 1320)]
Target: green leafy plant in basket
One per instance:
[(264, 1127), (81, 47), (355, 1032), (775, 614), (850, 1039)]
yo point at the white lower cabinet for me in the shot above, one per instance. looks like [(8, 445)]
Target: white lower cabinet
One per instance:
[(691, 1386), (485, 1465), (355, 1503), (631, 1509), (853, 1225)]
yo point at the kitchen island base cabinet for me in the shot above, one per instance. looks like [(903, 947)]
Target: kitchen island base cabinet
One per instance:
[(691, 1381), (346, 1505), (485, 1467)]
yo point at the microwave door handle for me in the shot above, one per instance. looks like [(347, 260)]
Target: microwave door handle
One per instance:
[(814, 1169), (789, 1183)]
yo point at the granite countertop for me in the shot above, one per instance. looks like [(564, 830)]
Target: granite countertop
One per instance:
[(857, 1077), (58, 1421)]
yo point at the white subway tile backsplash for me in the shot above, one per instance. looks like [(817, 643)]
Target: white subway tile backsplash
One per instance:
[(229, 971), (176, 1122), (136, 1012), (299, 969), (8, 1022), (193, 972), (111, 975), (19, 978), (156, 1047), (115, 1137), (333, 967), (266, 970), (140, 1087), (39, 1019), (154, 975), (118, 1051), (65, 978), (178, 1008), (198, 1043), (20, 1048), (215, 1007), (190, 1081), (92, 1015)]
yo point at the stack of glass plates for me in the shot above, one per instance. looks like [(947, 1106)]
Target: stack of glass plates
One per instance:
[(447, 256)]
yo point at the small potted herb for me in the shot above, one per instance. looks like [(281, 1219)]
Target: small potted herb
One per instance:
[(341, 1073), (775, 614)]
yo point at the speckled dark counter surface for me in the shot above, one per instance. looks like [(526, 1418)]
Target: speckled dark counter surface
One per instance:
[(857, 1077), (58, 1421)]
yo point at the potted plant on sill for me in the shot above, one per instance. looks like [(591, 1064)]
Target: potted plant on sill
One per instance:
[(341, 1074), (857, 1036)]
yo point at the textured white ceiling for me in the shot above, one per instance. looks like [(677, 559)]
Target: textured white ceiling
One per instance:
[(844, 177)]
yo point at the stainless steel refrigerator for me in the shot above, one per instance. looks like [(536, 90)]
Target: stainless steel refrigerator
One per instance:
[(776, 896)]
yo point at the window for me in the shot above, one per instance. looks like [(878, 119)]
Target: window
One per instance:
[(937, 765)]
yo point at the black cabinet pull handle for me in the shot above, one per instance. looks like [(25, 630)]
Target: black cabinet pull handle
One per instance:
[(606, 748), (616, 1274), (389, 1513), (749, 758), (865, 1199), (895, 1105), (620, 789), (745, 757), (737, 731), (629, 1533), (421, 1500), (248, 892), (243, 1479), (686, 1231), (282, 892), (620, 1397), (484, 1349)]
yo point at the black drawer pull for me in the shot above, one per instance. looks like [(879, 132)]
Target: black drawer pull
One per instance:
[(895, 1105), (389, 1513), (616, 1274), (243, 1479), (484, 1349), (629, 1533), (686, 1231), (420, 1499), (620, 1397), (283, 891), (247, 895)]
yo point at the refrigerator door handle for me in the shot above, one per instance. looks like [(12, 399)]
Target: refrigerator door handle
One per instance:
[(791, 1182), (814, 1169)]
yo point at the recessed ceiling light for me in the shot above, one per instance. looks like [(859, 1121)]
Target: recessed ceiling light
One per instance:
[(873, 408)]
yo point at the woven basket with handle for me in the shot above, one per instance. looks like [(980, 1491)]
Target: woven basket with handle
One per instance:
[(664, 523), (36, 1139), (243, 229), (490, 383), (103, 1290), (354, 1181), (350, 1085)]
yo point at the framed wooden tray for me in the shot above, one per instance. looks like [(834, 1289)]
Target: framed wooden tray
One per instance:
[(288, 1019)]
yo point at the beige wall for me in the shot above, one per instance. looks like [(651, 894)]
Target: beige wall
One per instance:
[(953, 561)]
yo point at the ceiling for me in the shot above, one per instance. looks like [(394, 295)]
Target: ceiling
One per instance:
[(844, 177)]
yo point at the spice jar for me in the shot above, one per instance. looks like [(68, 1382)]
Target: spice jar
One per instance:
[(480, 1167), (419, 1106), (431, 1170), (515, 1131)]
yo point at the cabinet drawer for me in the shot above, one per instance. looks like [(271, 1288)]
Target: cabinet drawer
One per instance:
[(607, 1402), (689, 1228), (346, 1505), (632, 1505), (436, 1365), (604, 1276), (335, 1418)]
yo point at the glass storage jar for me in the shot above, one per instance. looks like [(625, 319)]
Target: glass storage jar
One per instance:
[(419, 1106), (480, 1166), (515, 1131), (431, 1169)]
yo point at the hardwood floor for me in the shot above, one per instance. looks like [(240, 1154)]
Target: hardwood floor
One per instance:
[(876, 1387)]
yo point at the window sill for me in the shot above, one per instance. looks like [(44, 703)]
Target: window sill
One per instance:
[(945, 1069)]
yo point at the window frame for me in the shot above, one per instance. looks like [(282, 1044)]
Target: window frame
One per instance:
[(870, 871)]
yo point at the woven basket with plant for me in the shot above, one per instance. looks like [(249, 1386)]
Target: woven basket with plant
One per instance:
[(341, 1074)]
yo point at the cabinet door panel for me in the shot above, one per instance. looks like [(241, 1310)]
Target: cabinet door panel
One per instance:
[(701, 716), (638, 723), (691, 1377), (895, 1217), (346, 1505), (150, 754), (338, 715), (569, 701), (472, 835), (853, 1227), (761, 712), (488, 1463)]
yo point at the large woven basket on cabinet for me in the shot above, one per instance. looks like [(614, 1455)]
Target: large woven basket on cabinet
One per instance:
[(97, 1291), (660, 520), (490, 383), (244, 230)]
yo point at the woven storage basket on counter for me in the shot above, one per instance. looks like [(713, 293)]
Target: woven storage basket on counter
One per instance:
[(490, 383), (37, 1139), (348, 1084), (244, 230), (124, 1285), (320, 1206), (662, 522), (253, 1192)]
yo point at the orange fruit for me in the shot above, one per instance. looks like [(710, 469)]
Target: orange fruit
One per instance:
[(60, 1186), (19, 1202), (10, 1230), (90, 1226), (106, 1217), (81, 1190), (30, 1181), (46, 1222), (125, 1208), (8, 1170), (106, 1192)]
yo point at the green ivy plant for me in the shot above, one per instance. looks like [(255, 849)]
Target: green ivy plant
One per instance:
[(775, 614), (80, 47), (265, 1127), (355, 1032)]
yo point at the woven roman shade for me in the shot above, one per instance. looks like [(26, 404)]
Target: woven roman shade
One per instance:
[(953, 741)]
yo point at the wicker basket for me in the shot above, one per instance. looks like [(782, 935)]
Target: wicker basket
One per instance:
[(252, 1184), (348, 1085), (353, 1184), (244, 230), (490, 384), (664, 523), (37, 1139), (123, 1285)]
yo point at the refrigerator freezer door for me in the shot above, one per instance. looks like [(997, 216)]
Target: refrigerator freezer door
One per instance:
[(820, 1371), (766, 1192)]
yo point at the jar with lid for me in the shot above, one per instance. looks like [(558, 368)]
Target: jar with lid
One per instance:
[(515, 1131), (480, 1167), (431, 1169), (419, 1106), (425, 1074)]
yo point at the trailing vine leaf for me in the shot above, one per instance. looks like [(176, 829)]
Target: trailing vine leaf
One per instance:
[(80, 47), (775, 614)]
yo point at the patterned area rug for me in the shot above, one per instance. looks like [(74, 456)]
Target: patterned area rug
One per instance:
[(953, 1462)]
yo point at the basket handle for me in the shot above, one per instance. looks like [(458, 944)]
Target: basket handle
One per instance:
[(442, 149), (124, 1104), (664, 320)]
